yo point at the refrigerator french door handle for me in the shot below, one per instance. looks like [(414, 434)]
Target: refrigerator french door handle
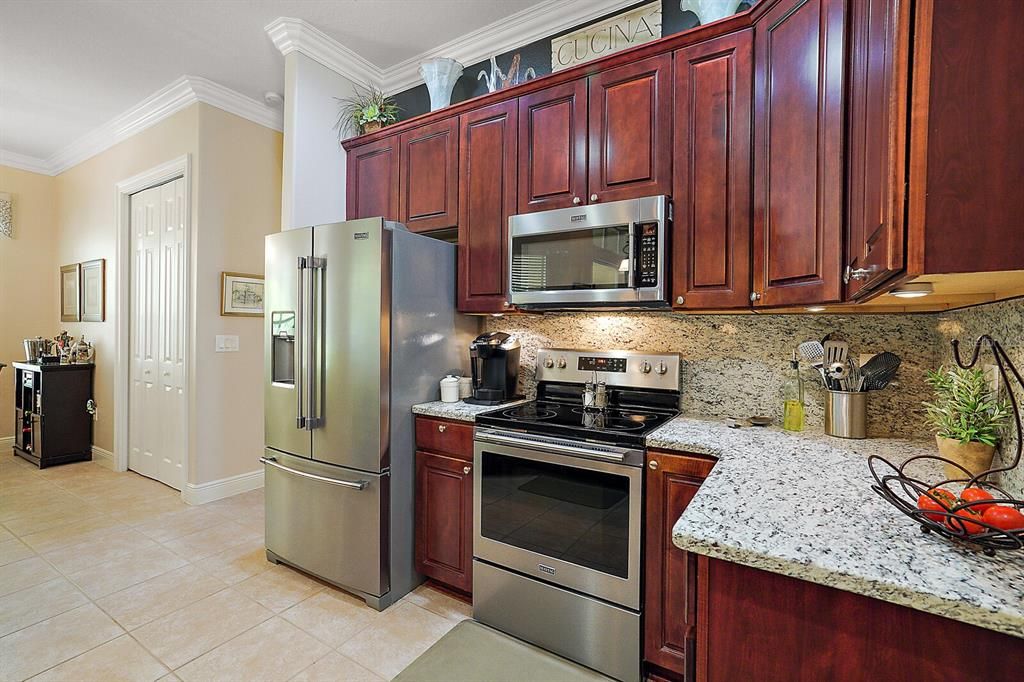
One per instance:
[(300, 315), (314, 380), (356, 485)]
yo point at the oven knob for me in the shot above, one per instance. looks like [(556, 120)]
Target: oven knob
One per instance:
[(549, 363), (561, 363), (645, 367), (661, 368)]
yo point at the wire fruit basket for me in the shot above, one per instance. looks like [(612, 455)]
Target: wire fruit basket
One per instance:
[(957, 521)]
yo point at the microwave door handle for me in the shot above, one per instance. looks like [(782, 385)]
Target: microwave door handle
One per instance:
[(631, 276), (300, 365)]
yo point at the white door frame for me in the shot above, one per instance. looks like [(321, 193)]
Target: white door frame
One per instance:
[(176, 168)]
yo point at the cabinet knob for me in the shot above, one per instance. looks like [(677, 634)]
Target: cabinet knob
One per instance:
[(576, 200), (593, 197), (754, 296), (653, 465), (680, 300), (442, 428), (466, 470), (859, 273)]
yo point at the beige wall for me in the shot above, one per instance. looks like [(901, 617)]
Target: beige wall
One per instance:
[(87, 229), (28, 276), (239, 203)]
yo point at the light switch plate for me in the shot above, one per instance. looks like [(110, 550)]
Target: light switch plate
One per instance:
[(227, 343)]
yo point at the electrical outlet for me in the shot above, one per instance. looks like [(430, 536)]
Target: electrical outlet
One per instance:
[(993, 378), (227, 343)]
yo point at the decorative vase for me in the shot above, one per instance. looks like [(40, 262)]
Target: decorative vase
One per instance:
[(371, 127), (975, 457), (440, 76), (710, 10)]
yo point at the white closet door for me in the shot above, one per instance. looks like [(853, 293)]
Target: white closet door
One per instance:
[(156, 437)]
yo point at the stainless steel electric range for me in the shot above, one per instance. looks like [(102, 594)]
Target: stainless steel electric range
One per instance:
[(558, 499)]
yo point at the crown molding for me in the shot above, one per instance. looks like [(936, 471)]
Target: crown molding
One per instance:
[(169, 100), (533, 23), (24, 162), (295, 35)]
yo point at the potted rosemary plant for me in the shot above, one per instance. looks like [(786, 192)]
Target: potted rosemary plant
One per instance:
[(366, 111), (967, 417)]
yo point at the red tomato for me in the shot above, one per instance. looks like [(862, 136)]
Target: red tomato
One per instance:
[(975, 495), (937, 500), (963, 520), (1006, 518)]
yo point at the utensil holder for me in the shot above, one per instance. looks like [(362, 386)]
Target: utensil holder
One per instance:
[(846, 414)]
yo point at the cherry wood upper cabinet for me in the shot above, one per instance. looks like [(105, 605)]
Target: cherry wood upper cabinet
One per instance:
[(879, 41), (711, 235), (799, 62), (372, 180), (429, 185), (487, 175), (444, 519), (670, 611), (553, 147), (630, 130)]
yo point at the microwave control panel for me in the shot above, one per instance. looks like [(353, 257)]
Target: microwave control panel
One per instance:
[(647, 260)]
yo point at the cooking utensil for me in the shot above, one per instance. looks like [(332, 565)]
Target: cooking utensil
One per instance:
[(814, 353), (835, 351), (880, 370), (855, 379)]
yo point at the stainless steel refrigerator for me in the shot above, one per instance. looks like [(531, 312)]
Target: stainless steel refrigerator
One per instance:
[(360, 325)]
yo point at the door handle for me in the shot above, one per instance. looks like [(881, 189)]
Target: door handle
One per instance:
[(631, 276), (300, 287), (315, 343), (355, 485)]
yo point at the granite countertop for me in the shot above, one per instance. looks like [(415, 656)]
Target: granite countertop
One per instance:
[(801, 505), (459, 411)]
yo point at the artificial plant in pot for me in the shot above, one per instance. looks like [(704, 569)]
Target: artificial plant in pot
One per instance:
[(967, 417), (367, 110)]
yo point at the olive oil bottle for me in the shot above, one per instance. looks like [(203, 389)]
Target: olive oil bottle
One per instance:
[(793, 398)]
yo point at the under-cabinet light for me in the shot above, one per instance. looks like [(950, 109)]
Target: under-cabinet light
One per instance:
[(913, 290)]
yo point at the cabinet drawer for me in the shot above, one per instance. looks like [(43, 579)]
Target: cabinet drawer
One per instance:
[(445, 436)]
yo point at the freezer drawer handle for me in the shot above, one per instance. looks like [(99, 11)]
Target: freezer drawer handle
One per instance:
[(357, 485)]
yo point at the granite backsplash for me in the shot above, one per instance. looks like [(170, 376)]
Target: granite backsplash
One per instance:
[(735, 365)]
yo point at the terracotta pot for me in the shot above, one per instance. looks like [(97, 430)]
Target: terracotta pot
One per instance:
[(371, 127), (975, 457)]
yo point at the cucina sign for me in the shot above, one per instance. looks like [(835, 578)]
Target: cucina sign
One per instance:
[(635, 27)]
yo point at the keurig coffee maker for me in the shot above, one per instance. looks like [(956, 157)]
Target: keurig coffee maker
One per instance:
[(494, 360)]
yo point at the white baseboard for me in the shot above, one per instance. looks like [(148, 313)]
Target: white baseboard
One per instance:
[(201, 493), (105, 458), (7, 442)]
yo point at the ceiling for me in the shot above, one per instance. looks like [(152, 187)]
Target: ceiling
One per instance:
[(68, 66)]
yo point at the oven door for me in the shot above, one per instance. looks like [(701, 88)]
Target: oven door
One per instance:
[(565, 517), (604, 254)]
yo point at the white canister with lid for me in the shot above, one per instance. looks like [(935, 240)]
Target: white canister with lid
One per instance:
[(450, 389), (465, 387)]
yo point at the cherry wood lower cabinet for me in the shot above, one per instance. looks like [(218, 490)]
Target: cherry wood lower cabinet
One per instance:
[(488, 175), (670, 592), (372, 180), (711, 235), (756, 625), (444, 502)]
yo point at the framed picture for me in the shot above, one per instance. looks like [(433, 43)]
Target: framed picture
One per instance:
[(94, 303), (241, 294), (70, 299)]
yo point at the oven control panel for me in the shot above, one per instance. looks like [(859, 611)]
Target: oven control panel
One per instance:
[(647, 257), (628, 369)]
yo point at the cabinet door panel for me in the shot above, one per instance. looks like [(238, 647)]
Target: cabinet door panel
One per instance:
[(372, 180), (630, 130), (429, 186), (444, 519), (798, 152), (878, 80), (711, 235), (553, 147), (487, 173), (670, 607)]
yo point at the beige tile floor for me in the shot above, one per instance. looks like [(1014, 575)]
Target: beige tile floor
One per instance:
[(110, 576)]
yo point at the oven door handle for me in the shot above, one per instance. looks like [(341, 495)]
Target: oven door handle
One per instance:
[(548, 446)]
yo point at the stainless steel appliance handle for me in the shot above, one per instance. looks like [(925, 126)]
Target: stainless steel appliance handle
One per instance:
[(300, 418), (316, 345), (355, 485), (631, 277), (538, 443)]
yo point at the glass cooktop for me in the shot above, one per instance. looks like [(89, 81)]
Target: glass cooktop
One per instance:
[(620, 424)]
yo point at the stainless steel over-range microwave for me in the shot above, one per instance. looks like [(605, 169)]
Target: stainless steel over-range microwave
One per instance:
[(602, 255)]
